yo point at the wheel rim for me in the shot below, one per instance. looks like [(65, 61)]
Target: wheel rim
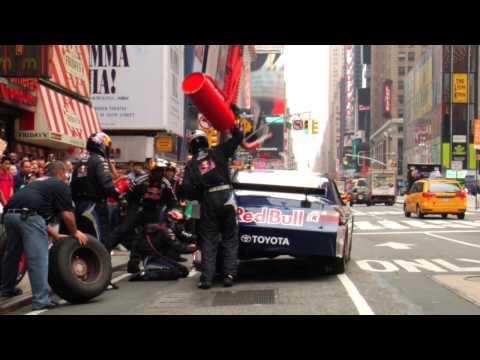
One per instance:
[(85, 265)]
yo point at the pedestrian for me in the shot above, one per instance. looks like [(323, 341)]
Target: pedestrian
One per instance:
[(29, 179), (92, 184), (207, 180), (34, 164), (26, 222), (13, 171), (69, 166), (7, 183), (13, 157), (25, 169)]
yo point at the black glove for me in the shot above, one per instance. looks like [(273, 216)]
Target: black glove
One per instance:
[(235, 109)]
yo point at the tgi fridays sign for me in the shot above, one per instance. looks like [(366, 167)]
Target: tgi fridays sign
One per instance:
[(19, 92), (349, 91), (70, 68)]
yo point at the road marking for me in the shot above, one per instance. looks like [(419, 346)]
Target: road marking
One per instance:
[(366, 225), (416, 266), (420, 224), (393, 225), (121, 277), (397, 246), (63, 302), (358, 300), (416, 232), (449, 223), (469, 223), (453, 240)]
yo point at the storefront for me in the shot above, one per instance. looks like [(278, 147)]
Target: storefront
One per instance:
[(59, 122)]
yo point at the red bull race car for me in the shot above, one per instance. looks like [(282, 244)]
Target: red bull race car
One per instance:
[(283, 212)]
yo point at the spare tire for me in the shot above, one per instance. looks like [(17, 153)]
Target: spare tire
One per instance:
[(79, 273)]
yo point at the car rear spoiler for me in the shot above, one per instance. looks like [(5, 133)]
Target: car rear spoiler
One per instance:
[(281, 189)]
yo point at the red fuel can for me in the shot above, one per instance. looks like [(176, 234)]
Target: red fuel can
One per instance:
[(209, 100)]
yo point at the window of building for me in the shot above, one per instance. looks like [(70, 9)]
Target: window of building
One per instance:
[(401, 71), (410, 68), (401, 85), (411, 56), (400, 99), (402, 56)]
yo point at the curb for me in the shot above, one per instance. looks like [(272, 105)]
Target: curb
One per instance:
[(26, 299)]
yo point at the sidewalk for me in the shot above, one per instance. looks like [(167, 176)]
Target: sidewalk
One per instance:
[(119, 260)]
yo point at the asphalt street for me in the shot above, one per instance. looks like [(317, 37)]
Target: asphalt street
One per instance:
[(399, 266)]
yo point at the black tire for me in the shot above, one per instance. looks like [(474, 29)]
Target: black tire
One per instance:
[(419, 213), (461, 216), (407, 213), (444, 216), (93, 257), (3, 244)]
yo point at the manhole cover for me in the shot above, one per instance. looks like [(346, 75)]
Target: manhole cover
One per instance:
[(244, 297), (473, 278)]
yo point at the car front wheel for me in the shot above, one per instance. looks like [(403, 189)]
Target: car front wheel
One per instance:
[(407, 213), (461, 216)]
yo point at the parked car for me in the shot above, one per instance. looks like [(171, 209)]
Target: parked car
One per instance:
[(359, 191)]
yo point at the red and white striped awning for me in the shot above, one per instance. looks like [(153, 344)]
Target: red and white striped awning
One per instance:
[(59, 122)]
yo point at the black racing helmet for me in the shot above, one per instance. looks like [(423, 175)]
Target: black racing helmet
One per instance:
[(197, 140), (99, 143)]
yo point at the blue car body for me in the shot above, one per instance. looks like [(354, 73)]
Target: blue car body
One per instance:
[(274, 218)]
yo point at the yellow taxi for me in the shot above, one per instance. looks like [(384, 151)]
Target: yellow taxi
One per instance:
[(439, 196)]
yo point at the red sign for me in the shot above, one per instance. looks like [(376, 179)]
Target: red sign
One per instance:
[(387, 98), (18, 93), (271, 216)]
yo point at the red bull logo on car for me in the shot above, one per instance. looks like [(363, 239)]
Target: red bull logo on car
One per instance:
[(271, 216)]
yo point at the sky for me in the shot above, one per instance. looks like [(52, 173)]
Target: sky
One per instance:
[(306, 75)]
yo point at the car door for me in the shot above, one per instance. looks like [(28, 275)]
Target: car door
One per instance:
[(412, 203)]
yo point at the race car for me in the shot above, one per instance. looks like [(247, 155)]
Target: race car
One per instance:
[(286, 212)]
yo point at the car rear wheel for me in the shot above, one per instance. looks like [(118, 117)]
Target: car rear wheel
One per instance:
[(444, 216), (461, 216), (407, 213), (419, 213), (79, 273)]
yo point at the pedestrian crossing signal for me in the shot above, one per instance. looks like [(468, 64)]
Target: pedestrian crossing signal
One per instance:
[(305, 127), (314, 127)]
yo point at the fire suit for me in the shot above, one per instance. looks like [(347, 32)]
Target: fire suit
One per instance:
[(136, 214), (207, 179), (91, 185)]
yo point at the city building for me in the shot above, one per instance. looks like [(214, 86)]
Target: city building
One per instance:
[(390, 65), (441, 95)]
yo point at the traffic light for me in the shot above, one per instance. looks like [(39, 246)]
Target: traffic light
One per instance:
[(212, 138), (305, 126), (345, 161), (314, 127)]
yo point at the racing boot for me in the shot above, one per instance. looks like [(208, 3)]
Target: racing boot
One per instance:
[(204, 284), (228, 281), (133, 266)]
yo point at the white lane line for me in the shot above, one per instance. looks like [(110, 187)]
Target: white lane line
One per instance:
[(415, 232), (392, 225), (466, 222), (453, 240), (63, 302), (358, 300)]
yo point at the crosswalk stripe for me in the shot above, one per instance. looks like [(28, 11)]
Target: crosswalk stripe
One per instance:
[(466, 222), (366, 225), (421, 225), (449, 223), (388, 224)]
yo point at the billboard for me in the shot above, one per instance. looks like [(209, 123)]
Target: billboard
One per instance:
[(137, 87), (349, 89)]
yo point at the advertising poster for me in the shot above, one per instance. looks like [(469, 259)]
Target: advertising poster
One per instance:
[(137, 87), (460, 89)]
